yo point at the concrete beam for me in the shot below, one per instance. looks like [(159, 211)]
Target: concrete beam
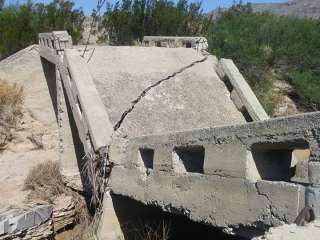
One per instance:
[(243, 95)]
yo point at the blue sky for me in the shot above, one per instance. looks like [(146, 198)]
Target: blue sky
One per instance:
[(207, 5)]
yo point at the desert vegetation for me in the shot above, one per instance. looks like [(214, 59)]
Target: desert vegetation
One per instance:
[(11, 99), (129, 21), (21, 23), (45, 182), (267, 48)]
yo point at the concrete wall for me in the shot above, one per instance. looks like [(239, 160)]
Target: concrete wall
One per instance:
[(220, 176)]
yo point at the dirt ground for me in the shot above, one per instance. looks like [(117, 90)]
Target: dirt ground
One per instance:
[(36, 138)]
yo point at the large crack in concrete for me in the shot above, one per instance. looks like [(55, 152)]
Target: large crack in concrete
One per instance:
[(146, 90), (270, 206)]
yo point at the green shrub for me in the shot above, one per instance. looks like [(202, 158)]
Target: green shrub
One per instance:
[(263, 45), (130, 20), (20, 24)]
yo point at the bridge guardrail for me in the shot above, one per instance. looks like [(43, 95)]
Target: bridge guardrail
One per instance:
[(88, 108), (91, 119), (241, 93), (199, 43), (228, 175), (254, 151)]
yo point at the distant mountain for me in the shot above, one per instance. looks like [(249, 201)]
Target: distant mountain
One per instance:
[(298, 8)]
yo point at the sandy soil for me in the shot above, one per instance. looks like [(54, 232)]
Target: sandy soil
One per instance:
[(24, 69)]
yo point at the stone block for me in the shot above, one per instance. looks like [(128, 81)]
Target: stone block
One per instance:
[(226, 160)]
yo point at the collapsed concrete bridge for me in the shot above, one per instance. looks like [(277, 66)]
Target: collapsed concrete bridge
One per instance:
[(183, 132)]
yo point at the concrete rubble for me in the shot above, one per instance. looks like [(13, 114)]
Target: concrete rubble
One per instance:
[(64, 213), (26, 224), (40, 222)]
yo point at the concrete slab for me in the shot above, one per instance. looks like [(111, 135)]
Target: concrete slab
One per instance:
[(190, 94)]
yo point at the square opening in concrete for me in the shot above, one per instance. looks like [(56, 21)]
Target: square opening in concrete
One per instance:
[(146, 156), (279, 161), (188, 159), (188, 45)]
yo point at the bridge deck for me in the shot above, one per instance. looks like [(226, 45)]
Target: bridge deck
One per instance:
[(176, 88)]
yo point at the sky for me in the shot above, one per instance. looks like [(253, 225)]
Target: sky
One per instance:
[(207, 5)]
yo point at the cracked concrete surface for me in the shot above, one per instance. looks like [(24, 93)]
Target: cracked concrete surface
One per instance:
[(194, 97), (145, 91)]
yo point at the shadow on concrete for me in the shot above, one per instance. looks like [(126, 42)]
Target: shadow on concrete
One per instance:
[(136, 218), (49, 70)]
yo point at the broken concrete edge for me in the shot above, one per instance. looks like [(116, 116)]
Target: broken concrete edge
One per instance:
[(212, 200), (242, 94), (149, 169)]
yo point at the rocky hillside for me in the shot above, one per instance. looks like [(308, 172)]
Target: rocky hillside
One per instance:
[(298, 8)]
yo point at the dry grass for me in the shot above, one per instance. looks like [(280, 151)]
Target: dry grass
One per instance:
[(45, 182), (11, 99), (158, 231)]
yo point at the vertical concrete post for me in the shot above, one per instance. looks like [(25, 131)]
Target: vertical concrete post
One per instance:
[(109, 226)]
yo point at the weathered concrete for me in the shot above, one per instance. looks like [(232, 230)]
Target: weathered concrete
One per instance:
[(109, 226), (242, 95), (51, 49), (163, 86), (199, 43), (205, 163), (86, 104), (233, 190)]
